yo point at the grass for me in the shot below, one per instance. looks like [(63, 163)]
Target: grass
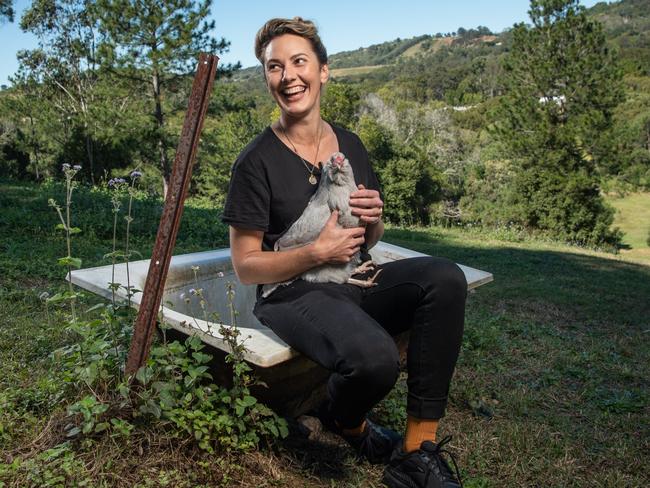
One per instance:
[(357, 70), (633, 218), (434, 45), (551, 387)]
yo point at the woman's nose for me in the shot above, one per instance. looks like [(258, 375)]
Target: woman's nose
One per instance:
[(288, 73)]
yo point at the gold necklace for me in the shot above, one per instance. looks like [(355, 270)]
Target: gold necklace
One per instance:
[(312, 179)]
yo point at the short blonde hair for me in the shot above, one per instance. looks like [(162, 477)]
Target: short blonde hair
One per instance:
[(297, 26)]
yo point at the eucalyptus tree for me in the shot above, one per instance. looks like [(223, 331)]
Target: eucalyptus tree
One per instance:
[(65, 85), (562, 85), (154, 44)]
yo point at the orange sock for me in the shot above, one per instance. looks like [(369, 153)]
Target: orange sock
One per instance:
[(418, 431), (355, 431)]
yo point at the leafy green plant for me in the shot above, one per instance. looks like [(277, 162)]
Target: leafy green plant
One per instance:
[(68, 261), (174, 387), (120, 186), (174, 390), (55, 467)]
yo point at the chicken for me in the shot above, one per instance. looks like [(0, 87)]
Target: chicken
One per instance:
[(333, 193)]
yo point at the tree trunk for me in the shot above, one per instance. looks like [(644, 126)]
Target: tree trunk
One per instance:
[(160, 122), (91, 158)]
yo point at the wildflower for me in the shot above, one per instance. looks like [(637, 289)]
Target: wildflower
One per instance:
[(192, 291), (195, 268), (115, 182), (185, 298), (220, 274), (135, 174), (76, 167), (65, 166)]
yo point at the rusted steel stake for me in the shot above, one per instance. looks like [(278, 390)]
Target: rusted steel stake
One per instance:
[(171, 216)]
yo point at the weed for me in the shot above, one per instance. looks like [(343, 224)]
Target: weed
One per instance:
[(173, 391), (68, 261), (55, 467)]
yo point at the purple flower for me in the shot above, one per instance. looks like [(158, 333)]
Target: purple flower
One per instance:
[(135, 174), (192, 291), (113, 182)]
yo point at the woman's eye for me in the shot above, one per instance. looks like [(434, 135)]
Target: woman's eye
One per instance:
[(300, 61), (273, 67)]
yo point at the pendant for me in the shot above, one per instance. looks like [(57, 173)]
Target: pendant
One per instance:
[(312, 179)]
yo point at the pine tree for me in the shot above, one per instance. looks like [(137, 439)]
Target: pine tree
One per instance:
[(155, 43), (562, 85), (6, 10)]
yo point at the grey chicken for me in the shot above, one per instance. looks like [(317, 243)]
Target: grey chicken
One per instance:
[(333, 193)]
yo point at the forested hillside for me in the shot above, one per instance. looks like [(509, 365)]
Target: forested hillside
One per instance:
[(429, 109)]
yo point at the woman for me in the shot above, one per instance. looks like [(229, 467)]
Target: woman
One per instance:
[(344, 328)]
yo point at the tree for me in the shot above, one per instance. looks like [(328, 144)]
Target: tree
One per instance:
[(341, 103), (231, 123), (562, 86), (36, 128), (155, 44), (6, 10), (64, 92)]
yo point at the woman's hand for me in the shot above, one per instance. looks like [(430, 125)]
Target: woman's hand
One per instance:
[(337, 245), (367, 205)]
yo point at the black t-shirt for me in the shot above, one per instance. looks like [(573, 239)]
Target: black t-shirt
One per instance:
[(269, 187)]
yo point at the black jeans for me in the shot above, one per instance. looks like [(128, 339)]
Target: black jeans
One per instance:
[(348, 329)]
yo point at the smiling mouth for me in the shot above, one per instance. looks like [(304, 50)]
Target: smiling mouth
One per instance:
[(294, 90)]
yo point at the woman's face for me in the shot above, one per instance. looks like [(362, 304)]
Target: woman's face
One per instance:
[(294, 75)]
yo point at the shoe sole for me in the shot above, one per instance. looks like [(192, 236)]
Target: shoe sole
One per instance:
[(393, 480)]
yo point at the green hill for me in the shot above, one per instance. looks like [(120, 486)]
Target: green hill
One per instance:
[(627, 23)]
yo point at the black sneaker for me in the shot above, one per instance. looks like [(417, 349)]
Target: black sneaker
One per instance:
[(375, 444), (424, 468)]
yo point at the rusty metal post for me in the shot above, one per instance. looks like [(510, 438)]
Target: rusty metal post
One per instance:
[(172, 211)]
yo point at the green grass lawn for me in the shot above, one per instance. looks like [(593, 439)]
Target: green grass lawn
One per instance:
[(633, 218), (551, 387)]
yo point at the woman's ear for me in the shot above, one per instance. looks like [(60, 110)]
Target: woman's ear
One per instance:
[(324, 74)]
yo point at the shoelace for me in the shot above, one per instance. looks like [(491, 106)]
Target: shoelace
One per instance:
[(443, 467)]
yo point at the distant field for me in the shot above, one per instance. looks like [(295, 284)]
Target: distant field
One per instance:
[(358, 70), (435, 45), (633, 218)]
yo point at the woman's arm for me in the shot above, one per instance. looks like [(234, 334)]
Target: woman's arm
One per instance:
[(254, 266)]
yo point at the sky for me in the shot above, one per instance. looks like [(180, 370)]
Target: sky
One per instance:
[(344, 25)]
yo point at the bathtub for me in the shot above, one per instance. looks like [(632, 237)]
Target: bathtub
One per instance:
[(292, 383)]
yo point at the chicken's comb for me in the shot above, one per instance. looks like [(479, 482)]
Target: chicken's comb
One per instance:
[(338, 158)]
